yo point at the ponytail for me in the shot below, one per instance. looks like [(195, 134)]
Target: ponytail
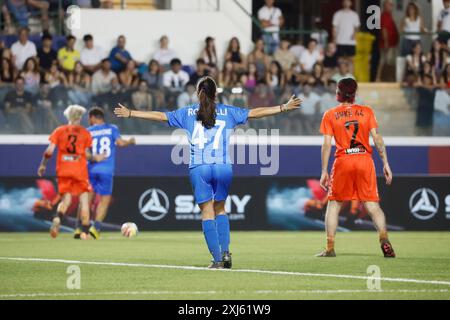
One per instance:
[(206, 91)]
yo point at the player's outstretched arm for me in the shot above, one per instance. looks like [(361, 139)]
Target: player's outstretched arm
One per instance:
[(381, 147), (47, 156), (293, 104), (123, 112), (326, 152), (95, 158), (125, 143)]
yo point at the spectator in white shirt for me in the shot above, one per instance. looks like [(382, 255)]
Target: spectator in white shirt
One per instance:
[(297, 49), (444, 22), (101, 80), (174, 81), (310, 56), (271, 19), (91, 56), (23, 49), (346, 23), (164, 55)]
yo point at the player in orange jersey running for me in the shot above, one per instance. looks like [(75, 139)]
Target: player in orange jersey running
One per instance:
[(353, 175), (73, 143)]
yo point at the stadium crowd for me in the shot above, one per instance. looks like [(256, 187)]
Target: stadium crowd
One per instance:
[(37, 80)]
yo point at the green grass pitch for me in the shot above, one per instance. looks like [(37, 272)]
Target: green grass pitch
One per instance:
[(151, 261)]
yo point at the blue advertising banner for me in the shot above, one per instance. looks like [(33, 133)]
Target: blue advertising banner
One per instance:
[(166, 203)]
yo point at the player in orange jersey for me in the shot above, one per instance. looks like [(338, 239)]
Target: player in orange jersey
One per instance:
[(73, 143), (353, 175)]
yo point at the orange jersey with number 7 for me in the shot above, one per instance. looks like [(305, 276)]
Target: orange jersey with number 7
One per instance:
[(353, 175), (350, 125), (71, 142)]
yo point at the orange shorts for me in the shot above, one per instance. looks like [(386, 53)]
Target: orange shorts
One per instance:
[(73, 186), (353, 177)]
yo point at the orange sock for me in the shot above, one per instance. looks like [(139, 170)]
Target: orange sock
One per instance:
[(330, 243), (383, 236)]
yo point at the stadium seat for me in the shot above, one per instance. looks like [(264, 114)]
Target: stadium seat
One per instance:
[(136, 4), (393, 109)]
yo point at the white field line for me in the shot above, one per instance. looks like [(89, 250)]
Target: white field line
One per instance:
[(237, 139), (281, 273), (189, 293)]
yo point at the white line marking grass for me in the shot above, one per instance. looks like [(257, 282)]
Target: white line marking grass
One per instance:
[(280, 273), (189, 293)]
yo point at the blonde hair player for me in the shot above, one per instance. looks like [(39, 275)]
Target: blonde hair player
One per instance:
[(73, 143)]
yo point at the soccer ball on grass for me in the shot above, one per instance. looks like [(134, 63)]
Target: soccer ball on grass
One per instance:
[(129, 230)]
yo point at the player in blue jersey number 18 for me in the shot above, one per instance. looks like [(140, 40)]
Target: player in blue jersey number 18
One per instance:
[(209, 125), (105, 138)]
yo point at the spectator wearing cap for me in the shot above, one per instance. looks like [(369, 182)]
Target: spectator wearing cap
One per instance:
[(46, 55), (68, 55), (271, 19), (23, 49), (164, 54), (119, 56), (91, 56)]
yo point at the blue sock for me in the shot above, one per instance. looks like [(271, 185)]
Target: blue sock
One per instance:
[(212, 239), (223, 229), (97, 225)]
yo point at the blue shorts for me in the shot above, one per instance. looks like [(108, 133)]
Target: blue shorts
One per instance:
[(102, 183), (211, 182)]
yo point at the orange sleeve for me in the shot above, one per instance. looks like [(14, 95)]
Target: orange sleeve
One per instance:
[(54, 137), (373, 124), (326, 127), (88, 139)]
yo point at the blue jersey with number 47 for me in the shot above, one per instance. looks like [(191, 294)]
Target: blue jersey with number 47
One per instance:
[(208, 146), (104, 138)]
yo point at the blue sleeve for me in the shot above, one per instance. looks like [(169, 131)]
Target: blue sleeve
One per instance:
[(116, 133), (240, 115), (112, 54), (128, 55), (177, 118)]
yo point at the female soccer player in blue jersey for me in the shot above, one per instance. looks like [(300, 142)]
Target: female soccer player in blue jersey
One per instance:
[(209, 126)]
